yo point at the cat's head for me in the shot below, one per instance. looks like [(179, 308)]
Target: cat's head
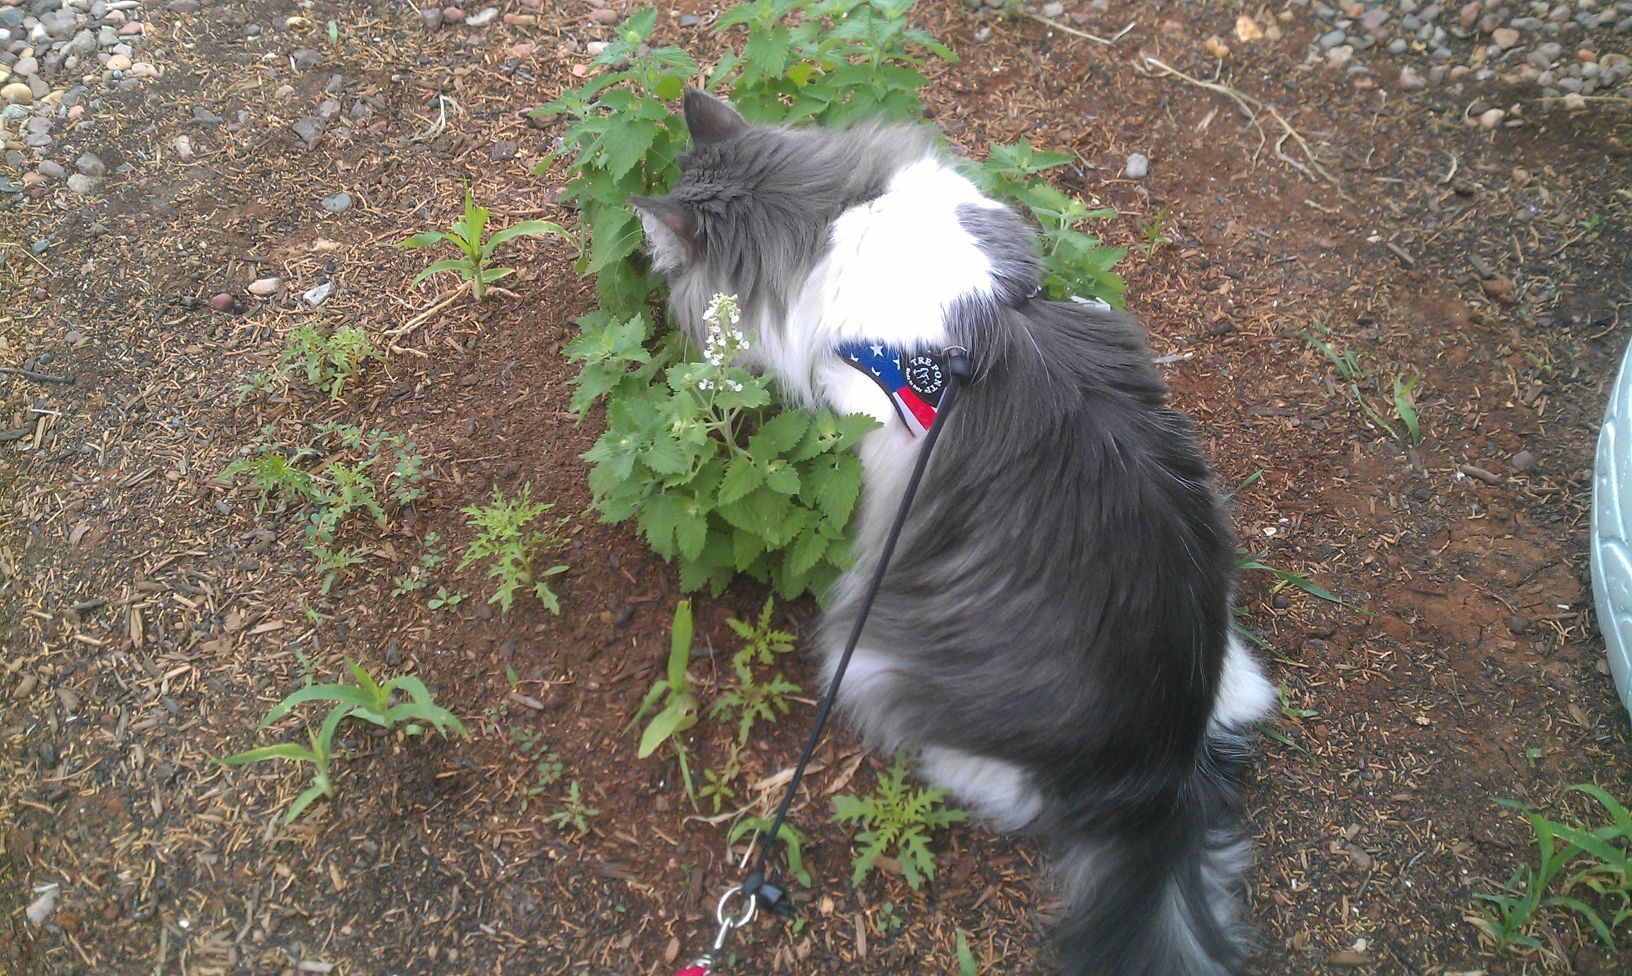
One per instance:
[(751, 211)]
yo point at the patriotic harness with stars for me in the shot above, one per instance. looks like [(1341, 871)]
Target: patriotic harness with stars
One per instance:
[(914, 382)]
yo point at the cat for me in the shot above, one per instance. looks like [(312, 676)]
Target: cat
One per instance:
[(1052, 640)]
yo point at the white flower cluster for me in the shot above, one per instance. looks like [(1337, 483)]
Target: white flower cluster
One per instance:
[(724, 340)]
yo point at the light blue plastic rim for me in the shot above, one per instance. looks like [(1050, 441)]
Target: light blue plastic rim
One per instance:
[(1611, 540)]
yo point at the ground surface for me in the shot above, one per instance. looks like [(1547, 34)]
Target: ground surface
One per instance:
[(150, 616)]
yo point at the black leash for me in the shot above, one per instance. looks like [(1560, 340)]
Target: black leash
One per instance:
[(755, 886)]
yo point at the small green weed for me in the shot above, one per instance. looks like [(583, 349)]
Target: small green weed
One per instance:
[(1405, 406), (1153, 232), (1353, 374), (443, 600), (334, 562), (792, 840), (1246, 561), (896, 820), (752, 700), (473, 265), (418, 576), (679, 711), (276, 475), (1287, 709), (365, 699), (328, 361), (575, 812), (509, 545), (717, 787), (1600, 861), (966, 959), (1075, 263), (761, 642)]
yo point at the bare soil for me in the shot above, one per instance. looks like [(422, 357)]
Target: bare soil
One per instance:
[(151, 616)]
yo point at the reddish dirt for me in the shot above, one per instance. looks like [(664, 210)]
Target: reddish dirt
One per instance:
[(151, 616)]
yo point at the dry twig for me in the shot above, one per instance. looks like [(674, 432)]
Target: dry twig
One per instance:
[(1252, 108)]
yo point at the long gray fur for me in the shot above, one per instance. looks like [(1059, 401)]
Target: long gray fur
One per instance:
[(1060, 598)]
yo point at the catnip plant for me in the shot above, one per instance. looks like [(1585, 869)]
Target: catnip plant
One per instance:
[(719, 474)]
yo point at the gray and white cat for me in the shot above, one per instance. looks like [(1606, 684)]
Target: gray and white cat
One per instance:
[(1052, 639)]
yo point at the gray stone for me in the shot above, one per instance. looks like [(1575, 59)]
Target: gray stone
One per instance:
[(303, 58), (205, 117), (690, 20), (1054, 10), (1410, 80), (337, 203), (83, 44), (308, 128), (51, 169), (1398, 45), (482, 17), (11, 17), (90, 165), (26, 67), (1332, 38), (316, 296), (1137, 166), (82, 184)]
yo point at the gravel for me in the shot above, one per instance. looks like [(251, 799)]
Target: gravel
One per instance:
[(1478, 49)]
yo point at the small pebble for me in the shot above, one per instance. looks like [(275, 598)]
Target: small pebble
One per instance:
[(483, 17), (316, 296), (1522, 461), (221, 302), (1136, 167), (265, 287), (90, 165), (337, 203), (604, 15), (432, 16)]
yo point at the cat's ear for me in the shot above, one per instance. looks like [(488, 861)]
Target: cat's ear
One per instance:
[(671, 229), (710, 119)]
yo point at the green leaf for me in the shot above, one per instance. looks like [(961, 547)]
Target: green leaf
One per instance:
[(664, 724), (690, 534), (283, 750), (461, 265), (304, 800), (779, 434), (423, 239), (741, 477), (337, 693), (669, 87), (526, 228)]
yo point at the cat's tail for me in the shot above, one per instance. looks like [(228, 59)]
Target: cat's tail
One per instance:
[(1158, 896)]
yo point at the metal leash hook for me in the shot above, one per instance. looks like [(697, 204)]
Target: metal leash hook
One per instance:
[(704, 965)]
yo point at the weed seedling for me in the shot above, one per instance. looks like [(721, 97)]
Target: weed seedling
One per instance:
[(966, 959), (367, 700), (1153, 232), (575, 812), (1405, 406), (318, 754), (443, 600), (328, 361), (896, 820), (753, 701), (716, 787), (1600, 859), (474, 264), (792, 842), (1350, 372), (760, 641), (334, 562), (509, 546), (679, 706), (275, 475), (418, 577)]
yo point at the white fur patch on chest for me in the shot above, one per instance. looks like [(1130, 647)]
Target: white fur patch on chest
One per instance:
[(895, 266)]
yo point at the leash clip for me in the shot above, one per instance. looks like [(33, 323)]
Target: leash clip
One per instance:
[(704, 964)]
